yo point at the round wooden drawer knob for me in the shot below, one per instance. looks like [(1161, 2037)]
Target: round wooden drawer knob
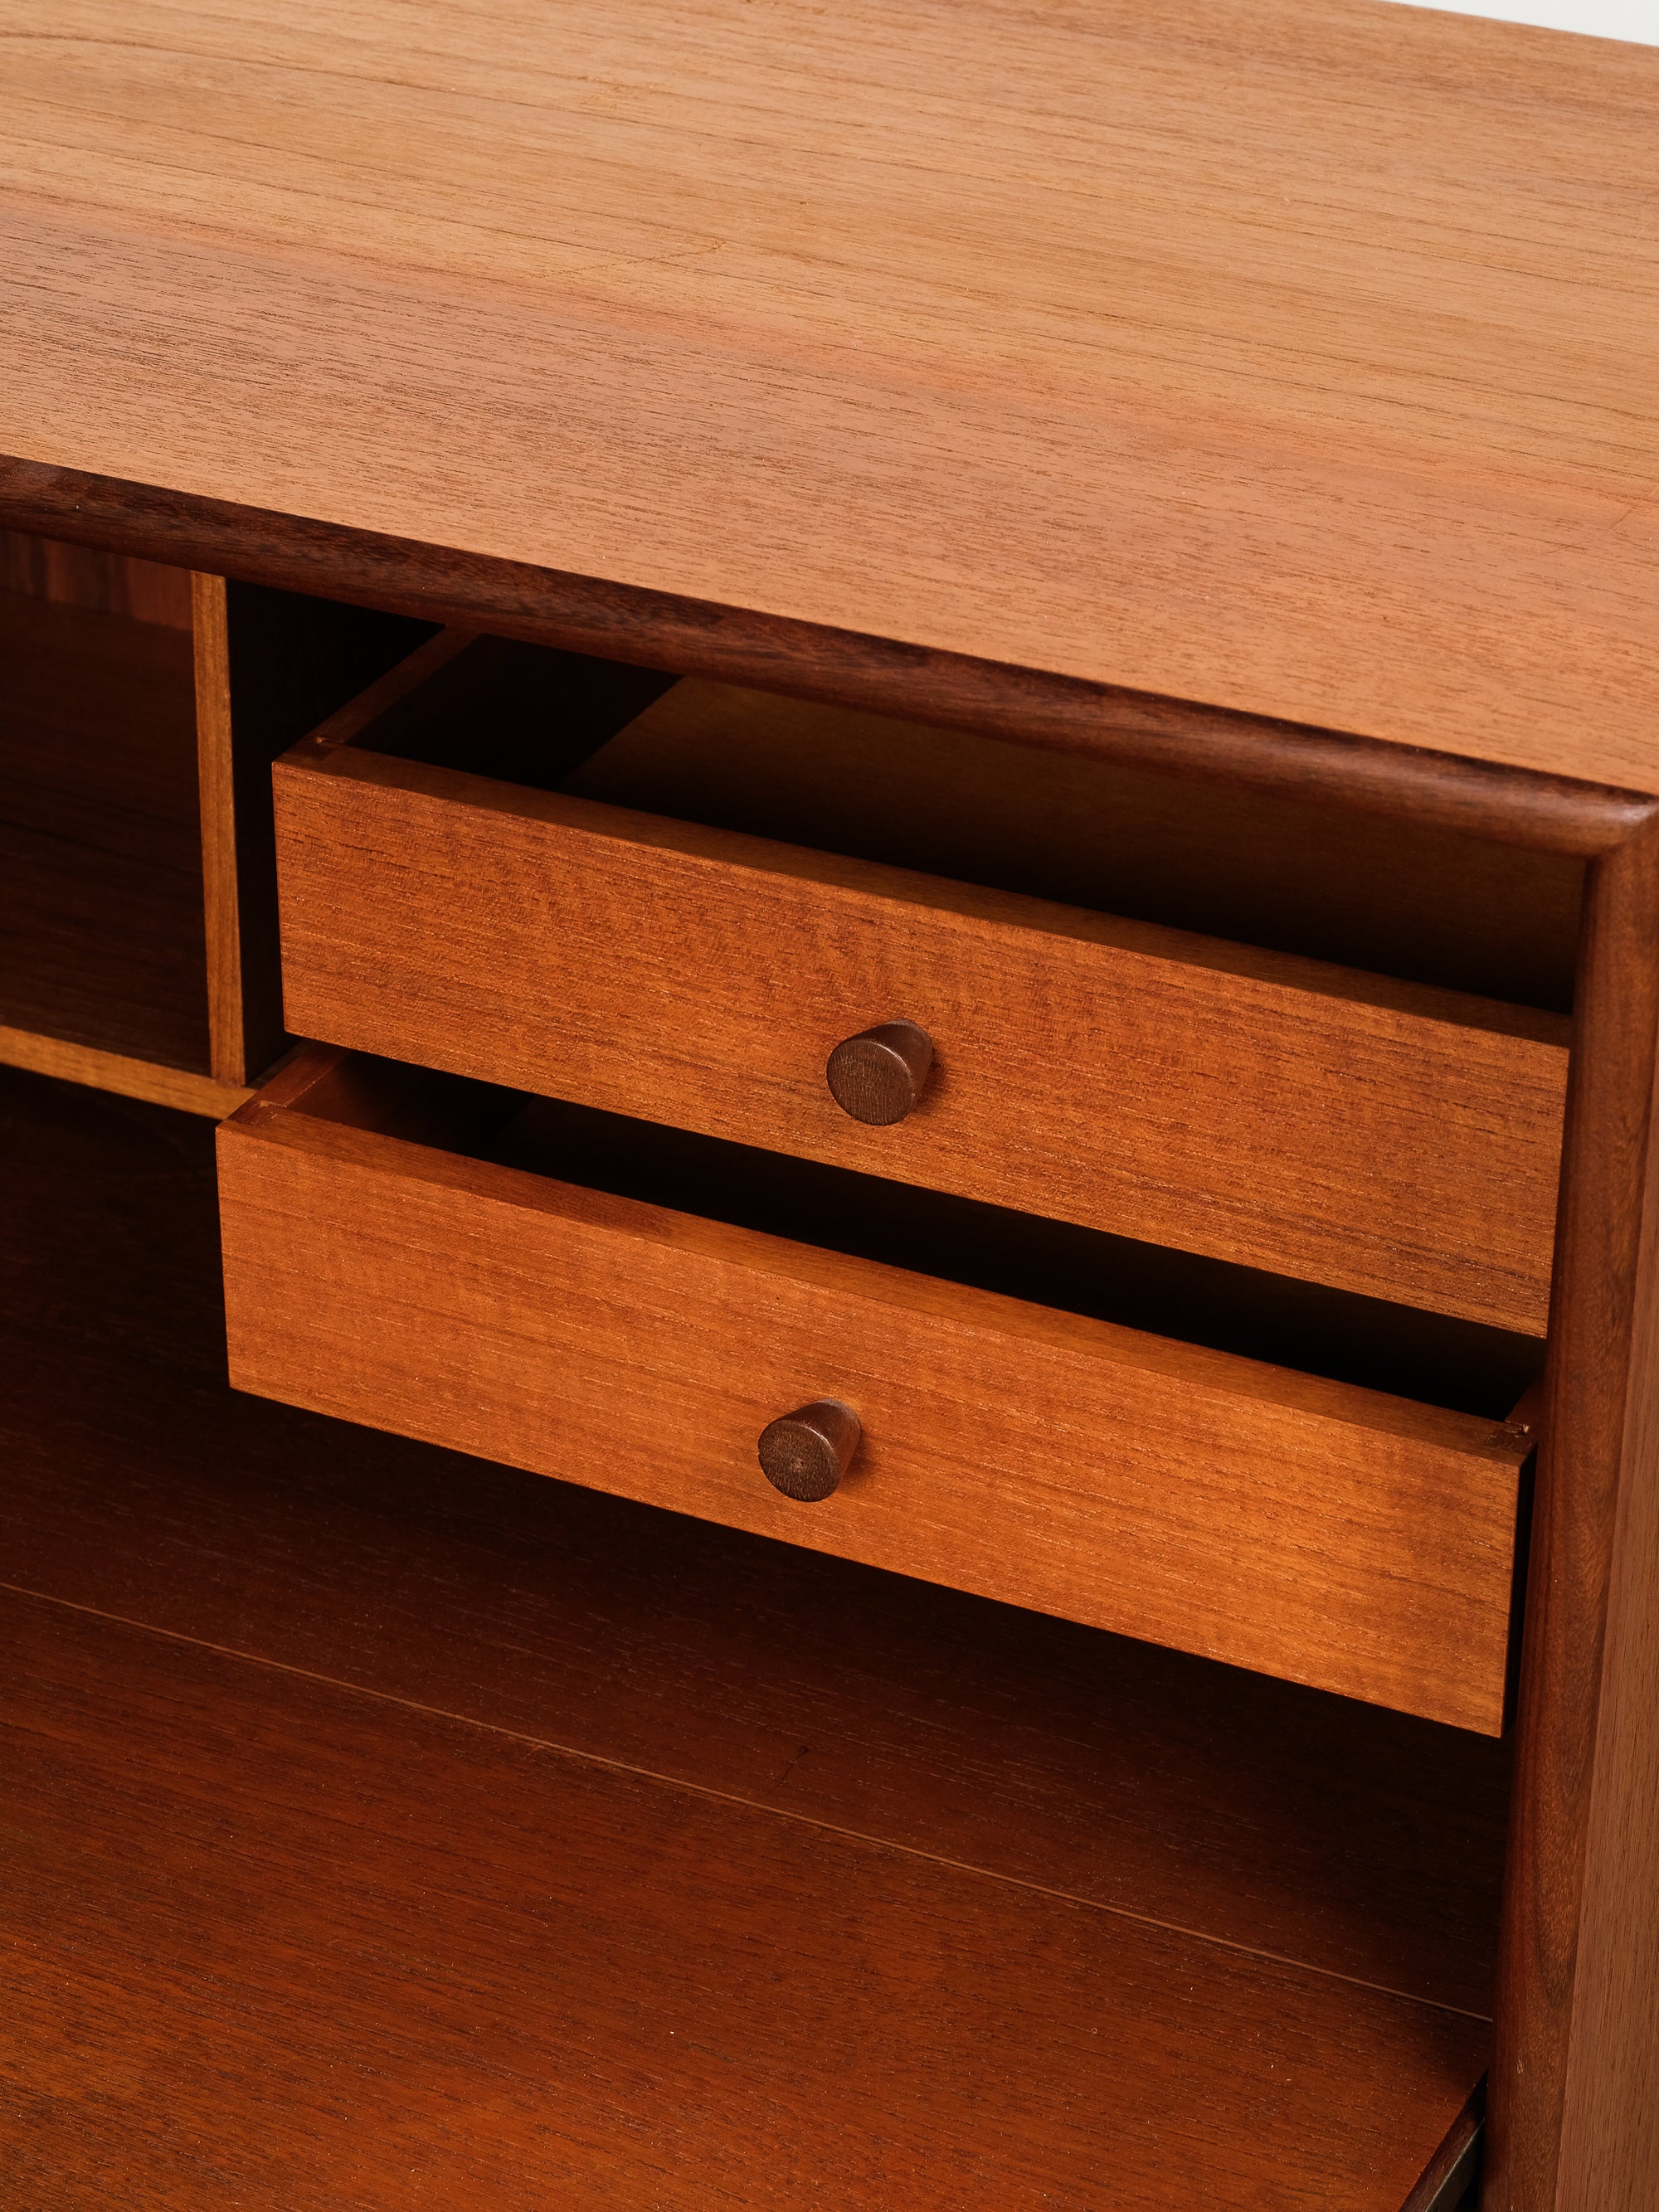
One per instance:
[(806, 1453), (877, 1076)]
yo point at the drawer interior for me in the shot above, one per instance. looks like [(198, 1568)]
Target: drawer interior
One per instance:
[(1422, 905), (1371, 1343)]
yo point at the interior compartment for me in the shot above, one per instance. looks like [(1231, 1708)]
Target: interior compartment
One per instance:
[(1393, 897), (142, 711), (774, 1866), (102, 937)]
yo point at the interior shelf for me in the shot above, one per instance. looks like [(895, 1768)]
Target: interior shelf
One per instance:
[(387, 1828), (102, 942)]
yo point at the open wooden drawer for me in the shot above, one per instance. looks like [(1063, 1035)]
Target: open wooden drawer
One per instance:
[(543, 1285), (1383, 1136)]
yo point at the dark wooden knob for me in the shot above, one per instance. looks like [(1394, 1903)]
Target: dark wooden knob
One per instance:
[(806, 1453), (877, 1076)]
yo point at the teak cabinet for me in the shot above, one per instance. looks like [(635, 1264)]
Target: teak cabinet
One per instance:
[(893, 782)]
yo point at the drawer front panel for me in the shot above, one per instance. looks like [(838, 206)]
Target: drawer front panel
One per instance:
[(1383, 1139), (1297, 1527)]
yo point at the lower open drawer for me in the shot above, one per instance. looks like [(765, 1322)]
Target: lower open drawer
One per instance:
[(385, 1262)]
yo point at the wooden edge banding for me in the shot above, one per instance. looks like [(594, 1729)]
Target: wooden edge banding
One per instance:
[(1445, 2181), (211, 628), (128, 1079), (659, 630)]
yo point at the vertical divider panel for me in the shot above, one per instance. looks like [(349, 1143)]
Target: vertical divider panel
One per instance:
[(211, 626), (1572, 2124)]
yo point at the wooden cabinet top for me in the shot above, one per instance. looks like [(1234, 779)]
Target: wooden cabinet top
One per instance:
[(1295, 355)]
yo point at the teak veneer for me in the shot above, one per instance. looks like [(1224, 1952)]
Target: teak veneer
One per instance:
[(626, 1994), (1258, 395), (82, 576), (1288, 356), (1359, 1842), (137, 905), (1083, 829)]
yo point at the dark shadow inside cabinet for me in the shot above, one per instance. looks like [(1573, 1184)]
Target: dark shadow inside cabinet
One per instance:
[(102, 939)]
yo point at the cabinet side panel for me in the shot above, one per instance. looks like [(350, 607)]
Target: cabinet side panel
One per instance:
[(1572, 2125), (1610, 2125)]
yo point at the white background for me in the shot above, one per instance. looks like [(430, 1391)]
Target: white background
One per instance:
[(1607, 19)]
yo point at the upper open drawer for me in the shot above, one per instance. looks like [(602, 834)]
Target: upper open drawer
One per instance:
[(1378, 1135)]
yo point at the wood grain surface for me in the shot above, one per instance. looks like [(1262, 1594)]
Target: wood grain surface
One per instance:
[(101, 943), (1270, 1519), (236, 987), (1380, 1137), (1451, 2181), (282, 1938), (1371, 1342), (1294, 356), (1361, 1843), (274, 1942)]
